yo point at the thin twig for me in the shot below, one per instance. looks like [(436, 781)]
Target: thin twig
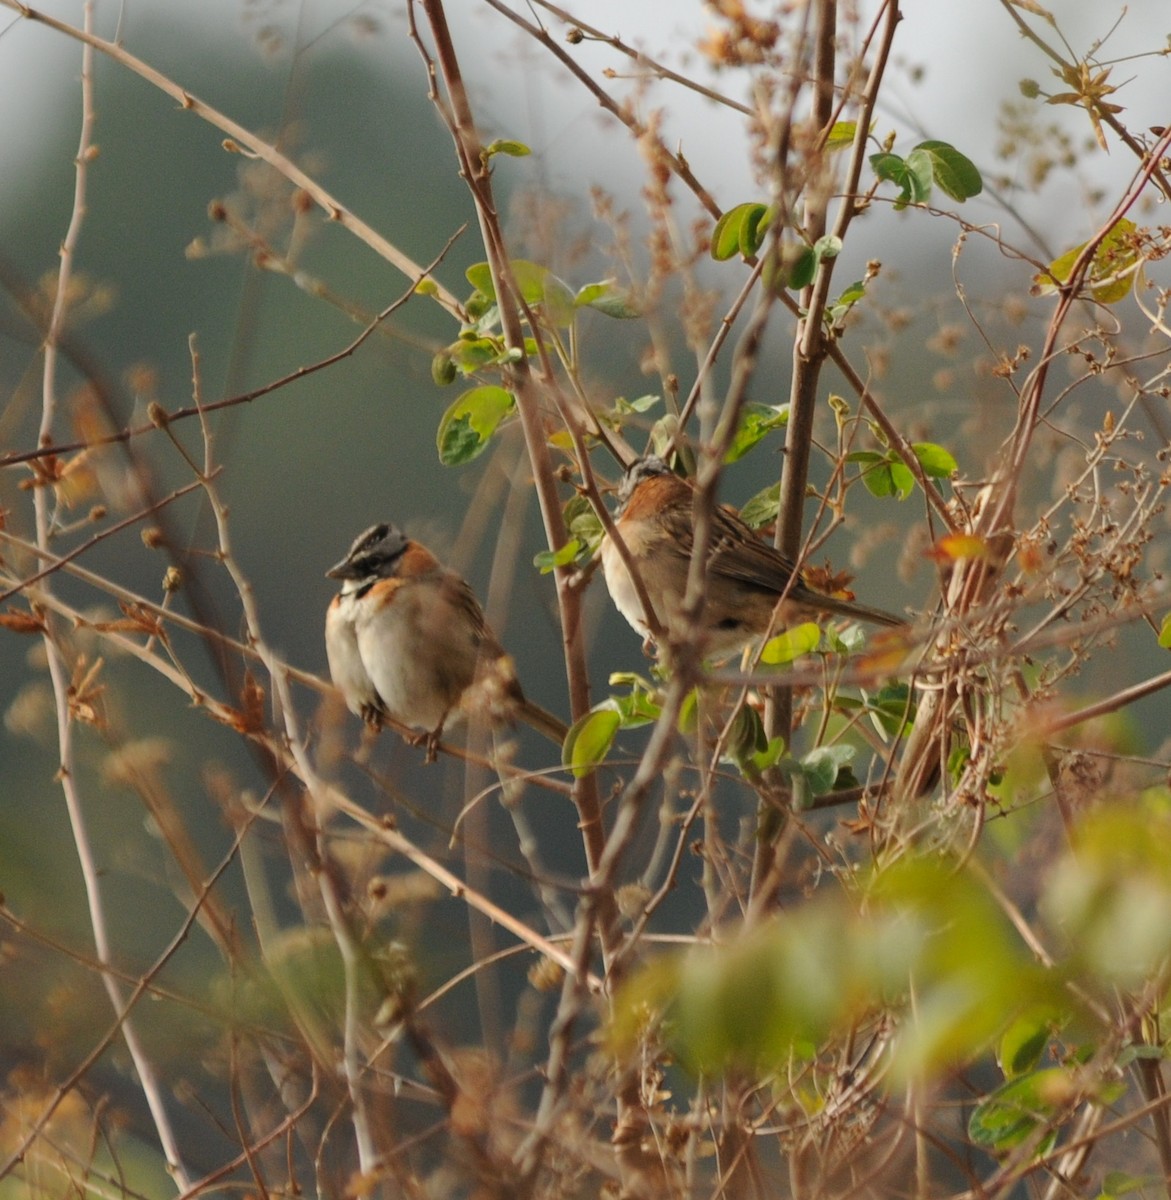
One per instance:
[(58, 671), (182, 414)]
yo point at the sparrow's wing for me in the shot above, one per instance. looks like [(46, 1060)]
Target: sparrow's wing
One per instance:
[(459, 593), (736, 552)]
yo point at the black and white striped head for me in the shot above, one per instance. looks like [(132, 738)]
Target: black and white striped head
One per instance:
[(642, 468), (373, 555)]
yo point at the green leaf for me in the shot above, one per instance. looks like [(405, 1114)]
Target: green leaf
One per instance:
[(800, 267), (531, 278), (837, 309), (443, 369), (879, 481), (1120, 1183), (537, 285), (892, 168), (688, 721), (1016, 1111), (935, 460), (845, 641), (753, 226), (1024, 1041), (756, 421), (901, 479), (640, 404), (955, 174), (801, 262), (737, 231), (558, 302), (583, 524), (470, 353), (885, 474), (589, 740), (841, 135), (1110, 274), (766, 758), (639, 708), (762, 509), (889, 167), (746, 738), (792, 644), (482, 311), (549, 560), (479, 275), (875, 472), (507, 146), (891, 707), (642, 706), (467, 426), (821, 766), (608, 298), (917, 186), (911, 175), (1165, 633)]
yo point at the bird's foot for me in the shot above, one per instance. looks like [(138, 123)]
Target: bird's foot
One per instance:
[(372, 716)]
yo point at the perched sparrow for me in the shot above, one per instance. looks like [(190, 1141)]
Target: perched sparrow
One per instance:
[(746, 576), (407, 639)]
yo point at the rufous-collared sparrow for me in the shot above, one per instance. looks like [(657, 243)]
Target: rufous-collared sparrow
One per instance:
[(407, 639), (746, 577)]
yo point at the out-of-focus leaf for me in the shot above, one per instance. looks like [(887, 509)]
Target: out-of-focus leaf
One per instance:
[(765, 997), (608, 298), (549, 560), (953, 547), (822, 765), (791, 644), (891, 708), (762, 508), (1023, 1043), (1110, 896), (841, 135)]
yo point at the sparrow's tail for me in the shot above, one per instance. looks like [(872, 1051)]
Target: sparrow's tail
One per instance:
[(851, 608), (543, 721)]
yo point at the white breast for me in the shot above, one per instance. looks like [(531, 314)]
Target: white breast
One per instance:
[(412, 678), (345, 661), (621, 588)]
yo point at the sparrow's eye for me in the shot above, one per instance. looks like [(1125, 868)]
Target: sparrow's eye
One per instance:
[(374, 536)]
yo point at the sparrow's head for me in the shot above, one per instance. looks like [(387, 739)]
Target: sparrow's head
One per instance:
[(642, 468), (374, 554)]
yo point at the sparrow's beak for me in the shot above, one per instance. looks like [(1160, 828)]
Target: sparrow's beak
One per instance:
[(342, 570)]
